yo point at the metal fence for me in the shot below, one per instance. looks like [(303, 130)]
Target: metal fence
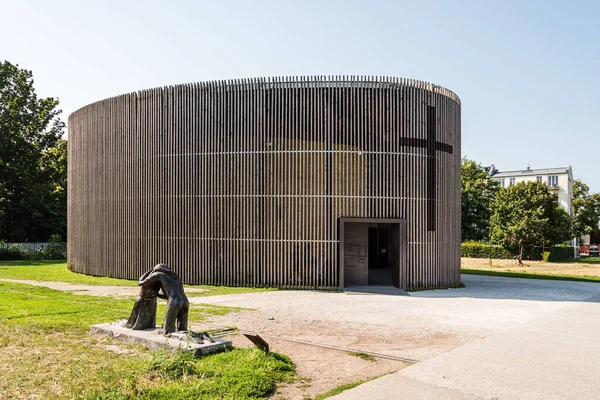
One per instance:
[(31, 246)]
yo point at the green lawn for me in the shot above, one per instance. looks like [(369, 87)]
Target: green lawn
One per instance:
[(57, 271), (54, 271), (47, 352), (515, 274), (581, 260)]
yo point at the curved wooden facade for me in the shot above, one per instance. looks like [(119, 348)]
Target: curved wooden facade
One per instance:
[(253, 182)]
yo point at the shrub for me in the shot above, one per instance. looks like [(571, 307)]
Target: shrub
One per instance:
[(546, 256), (483, 250), (54, 250), (11, 252)]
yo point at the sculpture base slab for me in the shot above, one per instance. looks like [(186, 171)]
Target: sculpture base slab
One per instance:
[(153, 339)]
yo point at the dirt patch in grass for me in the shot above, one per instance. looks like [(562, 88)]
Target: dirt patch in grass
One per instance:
[(584, 268), (319, 370)]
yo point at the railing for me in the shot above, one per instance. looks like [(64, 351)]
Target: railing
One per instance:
[(32, 246)]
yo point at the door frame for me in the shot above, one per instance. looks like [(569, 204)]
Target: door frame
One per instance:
[(401, 223)]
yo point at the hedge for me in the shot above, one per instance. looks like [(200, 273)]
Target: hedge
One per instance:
[(559, 253), (483, 250)]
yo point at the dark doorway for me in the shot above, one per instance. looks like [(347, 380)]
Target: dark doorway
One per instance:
[(380, 271), (372, 252), (373, 248)]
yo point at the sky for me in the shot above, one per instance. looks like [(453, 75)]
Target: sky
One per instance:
[(527, 72)]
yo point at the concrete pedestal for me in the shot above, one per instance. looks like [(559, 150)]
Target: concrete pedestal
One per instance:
[(153, 339)]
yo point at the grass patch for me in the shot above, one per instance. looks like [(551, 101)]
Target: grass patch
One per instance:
[(222, 290), (57, 271), (43, 308), (581, 260), (516, 274), (198, 312), (47, 352), (237, 374), (362, 355), (54, 271)]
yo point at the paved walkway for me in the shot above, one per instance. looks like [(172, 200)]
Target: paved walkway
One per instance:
[(553, 355)]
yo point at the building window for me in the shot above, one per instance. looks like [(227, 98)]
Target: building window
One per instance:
[(502, 182), (512, 181), (553, 181), (539, 179)]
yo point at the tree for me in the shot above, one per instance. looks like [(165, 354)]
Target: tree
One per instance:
[(31, 160), (586, 209), (528, 215), (477, 194)]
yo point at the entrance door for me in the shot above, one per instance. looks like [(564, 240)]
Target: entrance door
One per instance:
[(380, 270), (373, 251)]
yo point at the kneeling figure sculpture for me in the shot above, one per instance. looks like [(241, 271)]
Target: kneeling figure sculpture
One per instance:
[(161, 282)]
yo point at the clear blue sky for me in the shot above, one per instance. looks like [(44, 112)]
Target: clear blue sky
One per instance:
[(527, 72)]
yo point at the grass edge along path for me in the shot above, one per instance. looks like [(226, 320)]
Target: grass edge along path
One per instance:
[(57, 271), (343, 388), (531, 275)]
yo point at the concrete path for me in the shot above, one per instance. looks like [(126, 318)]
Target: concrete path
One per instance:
[(553, 355)]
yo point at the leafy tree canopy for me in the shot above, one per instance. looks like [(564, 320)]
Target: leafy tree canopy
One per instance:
[(528, 214), (477, 194), (586, 209), (32, 160)]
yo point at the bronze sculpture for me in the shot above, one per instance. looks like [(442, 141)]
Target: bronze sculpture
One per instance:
[(143, 315)]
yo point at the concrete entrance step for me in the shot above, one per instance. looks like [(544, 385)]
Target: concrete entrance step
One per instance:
[(372, 289)]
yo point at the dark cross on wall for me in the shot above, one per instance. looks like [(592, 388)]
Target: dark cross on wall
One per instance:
[(432, 146)]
